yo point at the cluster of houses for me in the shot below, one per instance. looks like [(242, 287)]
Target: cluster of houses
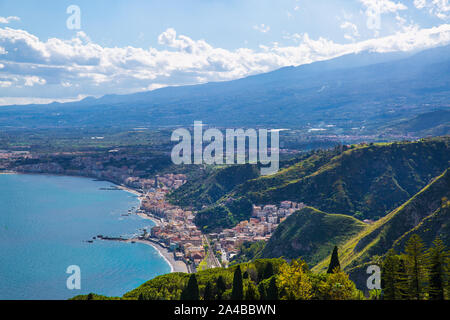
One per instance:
[(259, 227), (176, 229)]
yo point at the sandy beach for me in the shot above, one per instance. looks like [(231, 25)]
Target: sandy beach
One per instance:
[(8, 172), (175, 265)]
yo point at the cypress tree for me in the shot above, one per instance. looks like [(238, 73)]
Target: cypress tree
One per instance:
[(415, 266), (268, 270), (208, 294), (437, 260), (262, 291), (237, 292), (250, 294), (334, 261), (221, 287), (191, 290), (141, 296), (272, 290)]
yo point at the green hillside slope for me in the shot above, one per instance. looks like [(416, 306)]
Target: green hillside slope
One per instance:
[(311, 234), (426, 213), (368, 179), (205, 190)]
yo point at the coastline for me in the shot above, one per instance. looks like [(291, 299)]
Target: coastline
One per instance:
[(8, 172), (175, 265)]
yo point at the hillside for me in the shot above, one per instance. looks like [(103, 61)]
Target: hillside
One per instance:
[(311, 234), (206, 189), (426, 213), (359, 90), (435, 123), (366, 181)]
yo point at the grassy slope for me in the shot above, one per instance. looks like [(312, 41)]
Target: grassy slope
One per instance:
[(209, 189), (311, 234), (371, 179), (424, 212), (367, 181)]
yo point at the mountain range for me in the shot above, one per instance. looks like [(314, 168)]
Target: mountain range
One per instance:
[(364, 90)]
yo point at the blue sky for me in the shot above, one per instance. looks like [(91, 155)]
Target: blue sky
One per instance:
[(137, 45)]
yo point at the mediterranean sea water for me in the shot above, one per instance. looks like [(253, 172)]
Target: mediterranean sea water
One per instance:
[(45, 222)]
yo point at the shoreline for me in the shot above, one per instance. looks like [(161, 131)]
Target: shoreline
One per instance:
[(175, 265)]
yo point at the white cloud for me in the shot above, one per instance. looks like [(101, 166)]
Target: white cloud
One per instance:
[(30, 81), (262, 28), (439, 8), (7, 101), (5, 84), (6, 20), (33, 67)]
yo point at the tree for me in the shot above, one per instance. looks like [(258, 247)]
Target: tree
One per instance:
[(237, 292), (251, 292), (294, 280), (390, 276), (208, 294), (334, 261), (272, 290), (221, 287), (262, 291), (415, 266), (437, 266), (191, 290), (338, 287), (268, 270)]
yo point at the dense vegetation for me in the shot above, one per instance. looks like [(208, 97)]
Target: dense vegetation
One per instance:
[(366, 181), (417, 273), (248, 251), (426, 214), (211, 186), (311, 234), (265, 279)]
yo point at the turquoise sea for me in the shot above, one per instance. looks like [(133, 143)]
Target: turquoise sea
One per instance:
[(45, 222)]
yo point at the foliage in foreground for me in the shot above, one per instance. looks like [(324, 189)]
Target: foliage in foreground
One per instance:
[(264, 279)]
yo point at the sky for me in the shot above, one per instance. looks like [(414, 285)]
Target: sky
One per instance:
[(67, 50)]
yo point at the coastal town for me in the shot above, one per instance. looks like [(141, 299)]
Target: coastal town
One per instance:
[(176, 232)]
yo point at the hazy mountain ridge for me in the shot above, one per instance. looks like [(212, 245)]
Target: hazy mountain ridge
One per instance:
[(355, 90)]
